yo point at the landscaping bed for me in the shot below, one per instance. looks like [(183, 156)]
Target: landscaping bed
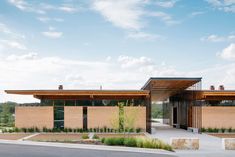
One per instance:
[(111, 139), (223, 135), (59, 137), (13, 136), (108, 135)]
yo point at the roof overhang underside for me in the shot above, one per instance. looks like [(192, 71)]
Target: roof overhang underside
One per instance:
[(218, 95), (163, 88), (82, 94)]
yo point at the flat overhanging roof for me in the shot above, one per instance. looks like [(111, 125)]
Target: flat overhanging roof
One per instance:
[(80, 93), (171, 83), (218, 94), (163, 87)]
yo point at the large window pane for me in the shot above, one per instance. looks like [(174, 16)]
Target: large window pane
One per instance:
[(58, 102)]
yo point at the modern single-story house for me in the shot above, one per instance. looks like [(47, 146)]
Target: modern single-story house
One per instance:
[(183, 101)]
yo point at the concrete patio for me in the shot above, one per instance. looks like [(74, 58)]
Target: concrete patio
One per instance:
[(209, 145)]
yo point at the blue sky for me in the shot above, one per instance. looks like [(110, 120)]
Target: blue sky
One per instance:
[(118, 44)]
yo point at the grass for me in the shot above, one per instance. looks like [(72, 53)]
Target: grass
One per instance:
[(137, 142)]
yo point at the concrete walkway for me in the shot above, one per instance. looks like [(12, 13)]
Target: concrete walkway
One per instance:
[(210, 146)]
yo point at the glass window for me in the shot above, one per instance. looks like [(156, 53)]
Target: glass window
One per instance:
[(58, 113), (69, 102), (83, 103), (58, 117), (58, 102), (46, 102)]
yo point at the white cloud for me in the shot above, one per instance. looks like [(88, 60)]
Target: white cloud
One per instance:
[(164, 17), (68, 9), (47, 19), (166, 3), (25, 6), (225, 5), (217, 38), (196, 13), (144, 36), (127, 61), (6, 30), (30, 71), (228, 53), (41, 8), (131, 15), (29, 56), (12, 44), (124, 14), (52, 34)]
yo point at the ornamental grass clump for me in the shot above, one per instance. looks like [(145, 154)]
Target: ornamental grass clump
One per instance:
[(137, 142)]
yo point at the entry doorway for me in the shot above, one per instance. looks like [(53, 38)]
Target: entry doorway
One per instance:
[(175, 116)]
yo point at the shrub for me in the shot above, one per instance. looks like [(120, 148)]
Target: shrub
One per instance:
[(17, 130), (66, 130), (114, 141), (44, 129), (105, 129), (95, 136), (137, 142), (70, 130), (230, 130), (223, 130), (130, 142), (102, 140), (209, 130), (138, 130), (37, 129), (24, 130), (203, 130), (85, 136), (215, 130)]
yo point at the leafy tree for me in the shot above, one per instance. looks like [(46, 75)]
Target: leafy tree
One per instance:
[(7, 111)]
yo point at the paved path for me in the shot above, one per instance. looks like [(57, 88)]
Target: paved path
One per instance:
[(210, 146), (14, 150)]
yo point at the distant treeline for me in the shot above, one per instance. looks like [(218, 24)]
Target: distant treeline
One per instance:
[(7, 111)]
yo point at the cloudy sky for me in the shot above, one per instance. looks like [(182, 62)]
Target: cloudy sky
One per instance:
[(118, 44)]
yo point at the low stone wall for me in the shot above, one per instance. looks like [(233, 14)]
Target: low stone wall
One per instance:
[(185, 143), (228, 143)]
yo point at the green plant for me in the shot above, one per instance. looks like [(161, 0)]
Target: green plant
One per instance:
[(215, 130), (85, 136), (138, 130), (44, 129), (66, 130), (203, 130), (37, 129), (95, 136), (223, 130), (130, 142), (209, 130), (24, 130), (114, 141), (102, 140), (17, 130), (230, 130)]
